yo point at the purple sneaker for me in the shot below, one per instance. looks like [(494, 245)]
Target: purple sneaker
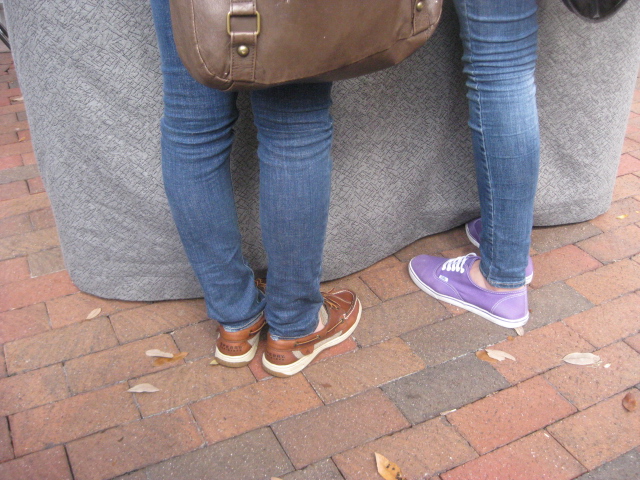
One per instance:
[(448, 280), (474, 229)]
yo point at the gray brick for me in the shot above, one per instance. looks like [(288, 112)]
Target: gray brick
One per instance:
[(549, 238), (324, 470), (15, 174), (625, 467), (453, 337), (47, 261), (554, 302), (256, 455), (434, 390)]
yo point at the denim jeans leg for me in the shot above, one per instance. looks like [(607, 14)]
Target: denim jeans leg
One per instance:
[(500, 43), (196, 142), (294, 132)]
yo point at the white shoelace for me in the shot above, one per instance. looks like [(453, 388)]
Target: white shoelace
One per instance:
[(456, 264)]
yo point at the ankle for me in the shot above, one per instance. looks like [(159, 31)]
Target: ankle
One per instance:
[(479, 279)]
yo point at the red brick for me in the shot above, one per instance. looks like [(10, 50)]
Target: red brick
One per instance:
[(634, 342), (29, 242), (600, 433), (384, 263), (136, 445), (538, 351), (6, 138), (536, 457), (59, 345), (629, 208), (397, 316), (48, 464), (585, 386), (390, 282), (13, 270), (630, 145), (420, 452), (157, 317), (35, 290), (3, 367), (45, 262), (626, 185), (247, 408), (560, 264), (510, 414), (24, 322), (434, 244), (14, 126), (72, 418), (11, 92), (10, 162), (614, 245), (17, 148), (460, 251), (8, 119), (356, 285), (13, 190), (42, 218), (349, 374), (32, 389), (187, 384), (545, 239), (8, 208), (198, 339), (24, 136), (29, 158), (332, 429), (75, 308), (12, 109), (608, 282), (628, 164), (608, 322), (6, 449), (35, 185), (117, 364), (15, 226)]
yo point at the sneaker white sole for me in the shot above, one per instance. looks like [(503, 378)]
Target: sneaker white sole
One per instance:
[(503, 322), (236, 361), (527, 279), (295, 367)]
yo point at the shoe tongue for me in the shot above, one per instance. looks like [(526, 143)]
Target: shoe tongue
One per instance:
[(323, 316)]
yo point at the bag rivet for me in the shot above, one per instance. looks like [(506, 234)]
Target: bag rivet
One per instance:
[(419, 6), (243, 50)]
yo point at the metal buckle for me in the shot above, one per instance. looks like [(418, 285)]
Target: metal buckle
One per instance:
[(257, 15)]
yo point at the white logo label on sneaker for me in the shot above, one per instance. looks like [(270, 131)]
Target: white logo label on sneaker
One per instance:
[(443, 278)]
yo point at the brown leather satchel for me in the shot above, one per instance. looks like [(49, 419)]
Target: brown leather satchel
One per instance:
[(248, 44)]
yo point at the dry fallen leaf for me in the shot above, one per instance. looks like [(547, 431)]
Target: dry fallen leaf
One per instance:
[(214, 362), (519, 330), (275, 478), (158, 353), (94, 313), (448, 412), (499, 355), (579, 358), (163, 360), (143, 388), (607, 365), (629, 402), (17, 99), (483, 355), (621, 217), (388, 470)]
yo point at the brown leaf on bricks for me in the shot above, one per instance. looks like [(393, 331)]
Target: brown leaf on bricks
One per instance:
[(388, 470), (214, 362), (579, 358), (158, 353), (499, 355), (483, 355), (519, 330), (163, 361), (143, 388), (622, 217), (629, 402), (94, 313)]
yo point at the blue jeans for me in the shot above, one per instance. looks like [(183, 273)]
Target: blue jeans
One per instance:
[(500, 43), (294, 133)]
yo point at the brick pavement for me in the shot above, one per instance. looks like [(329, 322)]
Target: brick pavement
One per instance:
[(408, 385)]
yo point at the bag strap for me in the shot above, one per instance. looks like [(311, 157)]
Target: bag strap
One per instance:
[(243, 40)]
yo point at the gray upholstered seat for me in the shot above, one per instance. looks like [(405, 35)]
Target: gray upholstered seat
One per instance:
[(403, 169)]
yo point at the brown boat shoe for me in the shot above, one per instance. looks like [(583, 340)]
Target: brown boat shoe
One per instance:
[(287, 357), (237, 349)]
